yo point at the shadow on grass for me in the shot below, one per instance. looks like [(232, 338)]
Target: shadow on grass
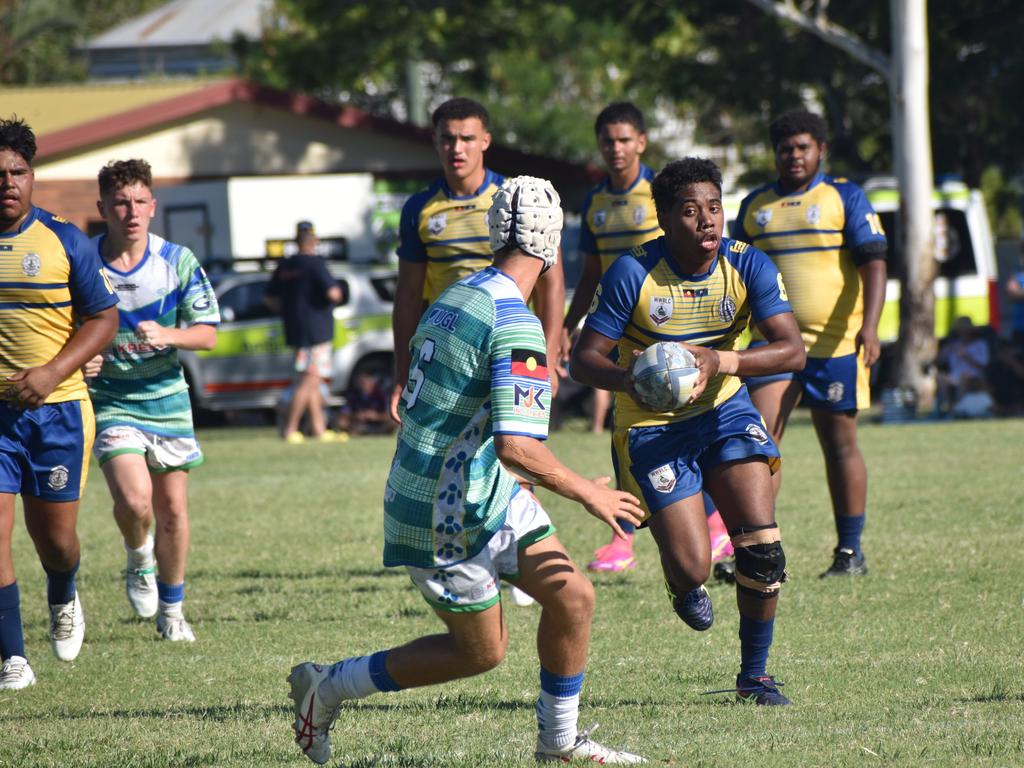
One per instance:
[(247, 711), (998, 695), (298, 575)]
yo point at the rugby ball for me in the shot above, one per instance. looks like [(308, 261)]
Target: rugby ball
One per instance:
[(664, 375)]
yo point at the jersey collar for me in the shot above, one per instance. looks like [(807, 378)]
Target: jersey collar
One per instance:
[(674, 265), (136, 268), (643, 173), (814, 182), (489, 178), (33, 214)]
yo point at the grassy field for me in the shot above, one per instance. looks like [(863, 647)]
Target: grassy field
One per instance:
[(917, 664)]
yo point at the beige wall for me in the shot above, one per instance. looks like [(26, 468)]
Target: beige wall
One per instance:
[(250, 139)]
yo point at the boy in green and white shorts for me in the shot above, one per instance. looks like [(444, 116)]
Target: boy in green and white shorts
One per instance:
[(145, 441)]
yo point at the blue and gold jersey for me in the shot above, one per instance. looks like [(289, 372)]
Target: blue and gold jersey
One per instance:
[(615, 221), (811, 236), (644, 298), (448, 232), (50, 275)]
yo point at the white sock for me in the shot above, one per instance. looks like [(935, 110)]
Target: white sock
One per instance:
[(141, 557), (171, 610), (349, 679), (556, 719)]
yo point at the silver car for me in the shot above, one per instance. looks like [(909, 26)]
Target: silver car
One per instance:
[(251, 366)]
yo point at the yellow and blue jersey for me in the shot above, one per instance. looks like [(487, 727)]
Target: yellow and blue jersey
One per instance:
[(449, 232), (644, 298), (50, 275), (616, 220), (812, 236)]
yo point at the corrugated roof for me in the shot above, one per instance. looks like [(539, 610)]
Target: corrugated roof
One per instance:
[(186, 22), (53, 108)]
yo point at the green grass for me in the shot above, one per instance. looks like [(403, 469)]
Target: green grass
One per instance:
[(917, 664)]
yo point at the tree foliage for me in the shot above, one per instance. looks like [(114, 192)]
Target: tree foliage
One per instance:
[(40, 40), (545, 69)]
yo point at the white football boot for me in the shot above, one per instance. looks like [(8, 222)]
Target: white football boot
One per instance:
[(313, 721), (174, 628), (16, 674), (140, 585), (67, 629), (585, 750)]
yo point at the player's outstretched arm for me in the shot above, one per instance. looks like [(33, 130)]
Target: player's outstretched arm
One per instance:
[(530, 458)]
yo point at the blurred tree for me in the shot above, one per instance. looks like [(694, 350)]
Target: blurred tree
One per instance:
[(39, 39)]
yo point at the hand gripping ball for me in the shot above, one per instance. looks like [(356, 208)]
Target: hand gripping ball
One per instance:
[(664, 375)]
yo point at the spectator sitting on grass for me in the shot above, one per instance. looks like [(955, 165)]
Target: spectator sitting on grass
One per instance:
[(366, 408), (963, 361)]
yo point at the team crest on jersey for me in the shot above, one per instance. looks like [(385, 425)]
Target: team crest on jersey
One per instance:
[(835, 391), (763, 216), (58, 479), (600, 217), (201, 304), (663, 478), (660, 310), (639, 214), (437, 223), (726, 309), (758, 433), (813, 214), (31, 264)]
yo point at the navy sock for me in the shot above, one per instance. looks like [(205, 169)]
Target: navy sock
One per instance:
[(755, 641), (12, 639), (379, 673), (627, 527), (170, 593), (849, 530), (60, 586)]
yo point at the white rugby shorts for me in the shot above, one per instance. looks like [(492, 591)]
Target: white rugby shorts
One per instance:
[(473, 585), (163, 454)]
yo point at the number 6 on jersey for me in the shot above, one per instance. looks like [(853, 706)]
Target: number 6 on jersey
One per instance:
[(416, 376)]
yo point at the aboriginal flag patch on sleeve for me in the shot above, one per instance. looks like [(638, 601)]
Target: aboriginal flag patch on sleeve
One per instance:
[(528, 363)]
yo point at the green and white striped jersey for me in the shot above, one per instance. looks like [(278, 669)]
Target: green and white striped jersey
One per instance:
[(479, 369), (140, 385)]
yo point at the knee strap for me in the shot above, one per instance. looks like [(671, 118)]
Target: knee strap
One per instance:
[(760, 561)]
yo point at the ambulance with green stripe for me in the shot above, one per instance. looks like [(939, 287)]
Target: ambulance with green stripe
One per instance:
[(966, 282), (251, 366)]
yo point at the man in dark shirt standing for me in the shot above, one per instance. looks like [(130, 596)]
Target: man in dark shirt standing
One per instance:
[(303, 292)]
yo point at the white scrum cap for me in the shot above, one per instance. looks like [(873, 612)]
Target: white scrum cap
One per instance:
[(526, 213)]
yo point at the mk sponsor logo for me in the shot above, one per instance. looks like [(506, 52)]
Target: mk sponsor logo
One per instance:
[(529, 398)]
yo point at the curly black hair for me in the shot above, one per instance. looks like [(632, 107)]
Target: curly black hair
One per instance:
[(16, 136), (620, 112), (682, 173), (461, 108), (123, 173), (797, 121)]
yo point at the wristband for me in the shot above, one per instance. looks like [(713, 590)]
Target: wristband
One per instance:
[(728, 362)]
